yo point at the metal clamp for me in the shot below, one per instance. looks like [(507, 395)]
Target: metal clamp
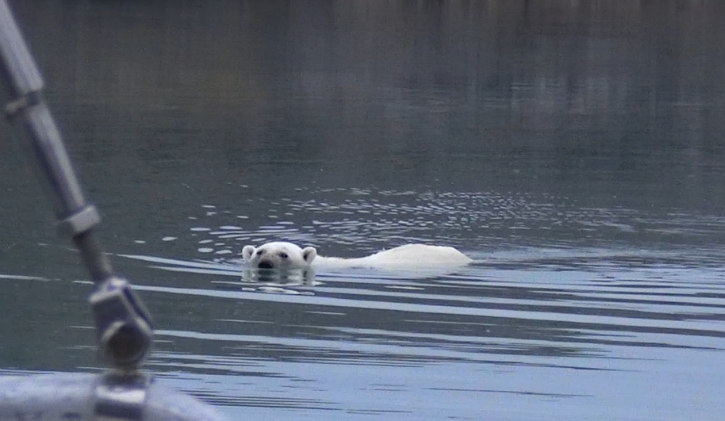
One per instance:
[(123, 324)]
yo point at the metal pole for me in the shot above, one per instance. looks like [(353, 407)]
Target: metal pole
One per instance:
[(123, 324), (75, 216)]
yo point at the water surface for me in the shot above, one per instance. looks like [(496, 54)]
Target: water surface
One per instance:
[(574, 151)]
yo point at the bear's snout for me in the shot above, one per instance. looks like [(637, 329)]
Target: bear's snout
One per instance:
[(264, 264)]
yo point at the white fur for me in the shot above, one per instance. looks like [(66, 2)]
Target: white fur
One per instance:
[(409, 256), (279, 255)]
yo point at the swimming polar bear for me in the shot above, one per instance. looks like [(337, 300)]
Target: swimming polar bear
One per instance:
[(287, 256)]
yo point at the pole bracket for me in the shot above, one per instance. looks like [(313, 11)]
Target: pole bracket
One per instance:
[(80, 222), (22, 103), (121, 397)]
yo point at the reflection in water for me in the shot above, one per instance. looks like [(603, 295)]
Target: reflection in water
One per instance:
[(572, 148), (276, 280)]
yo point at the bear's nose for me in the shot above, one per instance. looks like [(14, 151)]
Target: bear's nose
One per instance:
[(265, 265)]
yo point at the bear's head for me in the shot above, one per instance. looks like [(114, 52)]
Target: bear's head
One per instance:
[(279, 255)]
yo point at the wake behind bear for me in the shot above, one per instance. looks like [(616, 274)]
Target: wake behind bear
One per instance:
[(280, 255)]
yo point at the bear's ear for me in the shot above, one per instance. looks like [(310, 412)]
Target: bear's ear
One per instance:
[(309, 254), (248, 252)]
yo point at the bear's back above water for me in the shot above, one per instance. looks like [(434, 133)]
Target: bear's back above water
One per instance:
[(284, 255)]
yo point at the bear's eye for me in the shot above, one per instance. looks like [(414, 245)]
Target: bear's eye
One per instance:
[(283, 255), (260, 252)]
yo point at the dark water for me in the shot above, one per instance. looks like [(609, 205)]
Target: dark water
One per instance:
[(574, 149)]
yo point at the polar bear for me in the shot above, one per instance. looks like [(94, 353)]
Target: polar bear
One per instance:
[(287, 256)]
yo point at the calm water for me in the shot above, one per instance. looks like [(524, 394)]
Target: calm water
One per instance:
[(575, 150)]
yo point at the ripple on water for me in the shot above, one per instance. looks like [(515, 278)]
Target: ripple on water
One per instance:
[(487, 329), (354, 221), (559, 294)]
